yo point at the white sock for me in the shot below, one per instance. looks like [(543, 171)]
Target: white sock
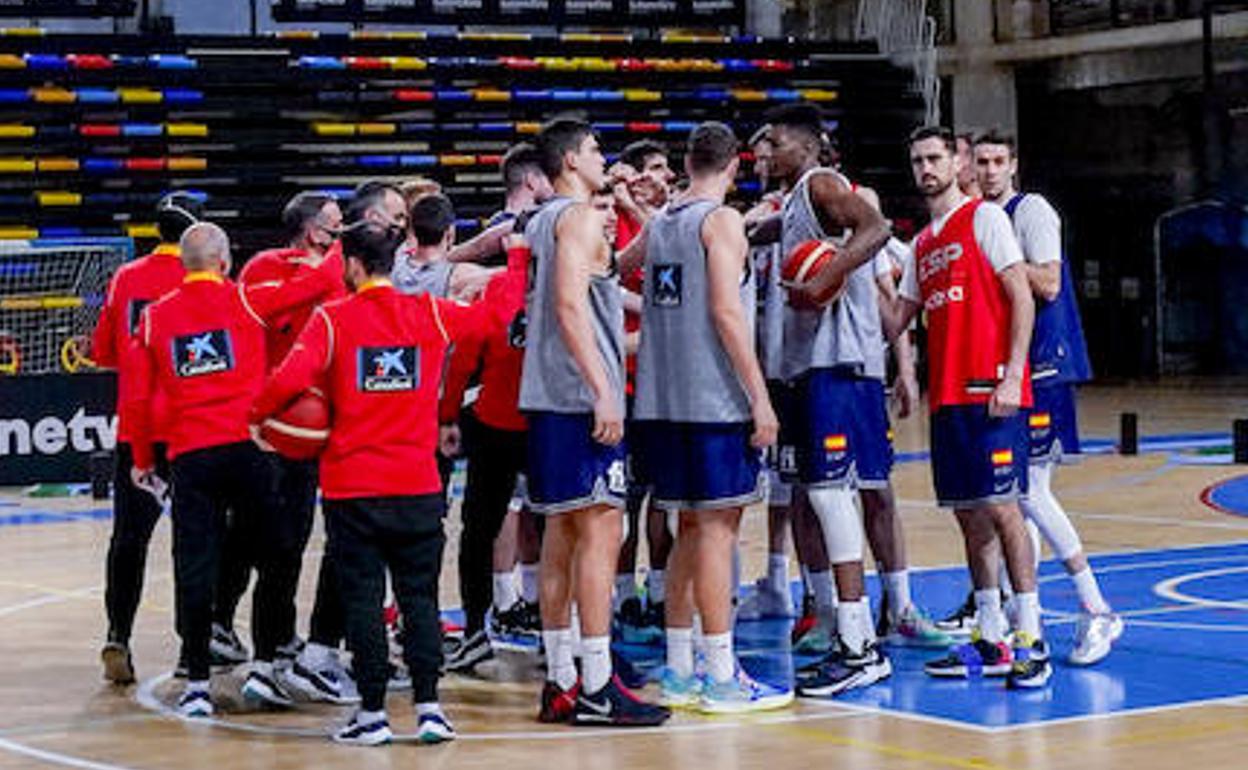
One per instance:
[(433, 707), (528, 582), (656, 586), (720, 664), (576, 632), (1003, 579), (850, 626), (197, 685), (595, 662), (680, 651), (865, 618), (314, 655), (625, 588), (778, 573), (1090, 592), (505, 590), (1028, 604), (992, 624), (824, 589), (560, 668), (363, 717), (897, 588)]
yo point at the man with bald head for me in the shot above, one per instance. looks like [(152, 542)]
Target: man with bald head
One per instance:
[(203, 347)]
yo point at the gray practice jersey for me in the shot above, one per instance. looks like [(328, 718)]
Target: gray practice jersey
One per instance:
[(683, 372), (769, 335), (551, 380), (421, 277), (847, 332)]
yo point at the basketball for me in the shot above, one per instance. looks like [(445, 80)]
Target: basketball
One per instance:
[(301, 430), (804, 262)]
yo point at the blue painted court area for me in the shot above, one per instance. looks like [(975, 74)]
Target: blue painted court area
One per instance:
[(1230, 496), (1186, 642)]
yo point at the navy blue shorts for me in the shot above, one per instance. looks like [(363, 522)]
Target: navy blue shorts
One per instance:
[(782, 456), (1053, 424), (840, 430), (568, 470), (701, 466), (977, 459)]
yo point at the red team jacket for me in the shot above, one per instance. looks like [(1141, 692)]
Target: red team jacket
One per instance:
[(499, 355), (133, 287), (378, 356), (203, 346), (275, 267), (968, 314)]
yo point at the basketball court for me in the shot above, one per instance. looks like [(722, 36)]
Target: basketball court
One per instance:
[(1167, 531)]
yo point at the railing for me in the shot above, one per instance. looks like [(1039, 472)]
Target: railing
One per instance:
[(1068, 17)]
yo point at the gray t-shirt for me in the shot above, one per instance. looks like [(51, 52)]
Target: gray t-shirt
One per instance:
[(418, 278)]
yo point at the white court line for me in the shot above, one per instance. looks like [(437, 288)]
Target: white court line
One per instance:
[(56, 758), (47, 598), (1168, 589), (1126, 517), (1232, 700), (146, 697)]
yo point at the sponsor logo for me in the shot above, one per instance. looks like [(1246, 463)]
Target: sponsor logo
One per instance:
[(617, 479), (196, 355), (941, 297), (52, 435), (939, 260), (388, 369), (668, 282)]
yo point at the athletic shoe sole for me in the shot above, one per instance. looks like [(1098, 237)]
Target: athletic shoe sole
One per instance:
[(258, 692), (1034, 682), (764, 703), (374, 738), (997, 670), (865, 677)]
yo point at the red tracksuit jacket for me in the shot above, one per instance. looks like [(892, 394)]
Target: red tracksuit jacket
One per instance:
[(133, 287), (202, 345), (378, 356), (276, 267)]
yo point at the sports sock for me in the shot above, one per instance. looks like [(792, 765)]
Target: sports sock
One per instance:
[(824, 589), (1028, 604), (1090, 592), (363, 717), (992, 624), (778, 573), (504, 590), (625, 588), (595, 662), (680, 651), (897, 588), (560, 668), (315, 655), (528, 582), (656, 586), (719, 661), (851, 628), (432, 707)]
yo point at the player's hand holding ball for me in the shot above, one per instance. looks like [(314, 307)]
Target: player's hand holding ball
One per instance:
[(811, 274)]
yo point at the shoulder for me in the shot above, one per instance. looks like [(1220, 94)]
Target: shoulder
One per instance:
[(724, 216), (1034, 205), (989, 214), (828, 181)]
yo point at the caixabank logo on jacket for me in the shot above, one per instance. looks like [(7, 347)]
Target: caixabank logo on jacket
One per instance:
[(210, 352), (388, 369)]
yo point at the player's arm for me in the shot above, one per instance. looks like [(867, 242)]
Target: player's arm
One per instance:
[(765, 229), (468, 281), (723, 235), (466, 357), (137, 397), (1040, 237), (104, 340), (483, 245), (632, 301), (630, 258), (579, 240), (302, 368), (899, 309), (839, 207), (906, 386), (267, 300)]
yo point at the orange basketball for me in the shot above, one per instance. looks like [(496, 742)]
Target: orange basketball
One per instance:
[(805, 261), (301, 430)]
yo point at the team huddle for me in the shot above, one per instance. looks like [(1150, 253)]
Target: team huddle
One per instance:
[(612, 344)]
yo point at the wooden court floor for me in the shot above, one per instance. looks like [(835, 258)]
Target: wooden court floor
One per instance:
[(56, 711)]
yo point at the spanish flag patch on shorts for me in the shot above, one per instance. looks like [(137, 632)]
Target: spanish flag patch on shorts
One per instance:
[(1003, 457), (1040, 420), (838, 442)]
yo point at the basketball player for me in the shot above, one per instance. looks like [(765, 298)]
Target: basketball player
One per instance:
[(970, 278), (702, 414), (833, 356), (202, 347), (135, 511), (379, 356), (968, 181), (573, 390), (420, 266), (1059, 360)]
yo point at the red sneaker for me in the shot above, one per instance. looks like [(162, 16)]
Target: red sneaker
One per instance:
[(558, 703)]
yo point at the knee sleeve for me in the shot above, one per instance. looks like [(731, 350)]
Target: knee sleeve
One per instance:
[(840, 522), (1041, 507)]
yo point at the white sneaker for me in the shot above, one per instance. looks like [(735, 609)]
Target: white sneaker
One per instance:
[(434, 727), (1095, 634), (357, 733), (764, 601), (262, 688), (327, 684), (195, 703)]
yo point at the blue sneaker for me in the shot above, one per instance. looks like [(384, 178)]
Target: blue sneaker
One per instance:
[(615, 706), (360, 733), (676, 691), (742, 694)]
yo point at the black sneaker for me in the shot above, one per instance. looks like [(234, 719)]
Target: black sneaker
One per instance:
[(978, 657), (285, 654), (811, 670), (531, 622), (263, 689), (326, 685), (615, 706), (631, 676), (118, 665), (516, 620), (226, 648), (1032, 668), (849, 672), (961, 621), (475, 649), (183, 669)]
